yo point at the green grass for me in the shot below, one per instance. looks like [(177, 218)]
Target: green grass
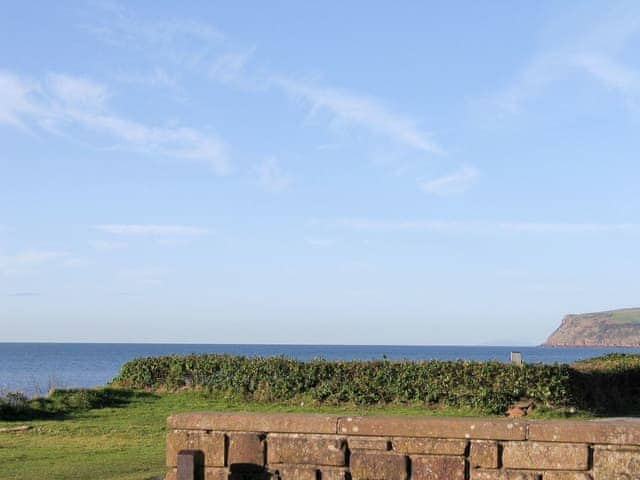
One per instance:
[(126, 442), (627, 316)]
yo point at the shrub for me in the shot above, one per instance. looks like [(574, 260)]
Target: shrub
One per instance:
[(488, 386)]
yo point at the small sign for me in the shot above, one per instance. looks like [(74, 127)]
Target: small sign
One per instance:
[(516, 357)]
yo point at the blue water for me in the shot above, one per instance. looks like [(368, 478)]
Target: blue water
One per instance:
[(35, 367)]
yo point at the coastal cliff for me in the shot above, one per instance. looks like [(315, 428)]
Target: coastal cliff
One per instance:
[(614, 328)]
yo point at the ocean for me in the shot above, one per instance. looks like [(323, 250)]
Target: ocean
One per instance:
[(34, 368)]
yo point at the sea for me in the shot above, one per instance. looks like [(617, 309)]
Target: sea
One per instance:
[(35, 368)]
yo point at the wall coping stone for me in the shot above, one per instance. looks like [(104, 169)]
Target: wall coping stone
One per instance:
[(617, 431)]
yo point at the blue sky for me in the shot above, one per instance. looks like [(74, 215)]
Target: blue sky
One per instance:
[(337, 172)]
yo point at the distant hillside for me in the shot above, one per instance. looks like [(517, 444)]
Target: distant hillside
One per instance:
[(615, 328)]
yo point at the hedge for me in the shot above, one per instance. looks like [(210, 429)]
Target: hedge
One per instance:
[(486, 386)]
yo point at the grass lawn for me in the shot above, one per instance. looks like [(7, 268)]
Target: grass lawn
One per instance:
[(127, 442)]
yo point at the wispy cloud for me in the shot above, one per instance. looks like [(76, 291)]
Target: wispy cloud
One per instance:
[(129, 229), (157, 77), (438, 226), (117, 25), (68, 101), (271, 176), (319, 243), (105, 245), (30, 259), (456, 182), (360, 110), (24, 294), (593, 52)]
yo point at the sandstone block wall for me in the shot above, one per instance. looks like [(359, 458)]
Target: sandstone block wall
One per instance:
[(237, 446)]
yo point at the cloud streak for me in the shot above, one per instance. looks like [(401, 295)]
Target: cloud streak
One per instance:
[(437, 226), (133, 229), (271, 176), (360, 110), (457, 182), (29, 259), (64, 102)]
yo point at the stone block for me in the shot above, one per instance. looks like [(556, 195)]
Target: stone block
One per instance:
[(503, 475), (327, 473), (295, 472), (567, 476), (616, 464), (483, 454), (216, 474), (368, 465), (211, 444), (368, 443), (190, 465), (254, 422), (437, 467), (306, 450), (545, 456), (615, 431), (471, 428), (430, 446), (246, 449)]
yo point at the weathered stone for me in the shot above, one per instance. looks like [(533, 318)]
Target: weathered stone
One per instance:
[(503, 475), (437, 467), (368, 465), (545, 456), (294, 472), (431, 446), (246, 449), (483, 454), (327, 473), (369, 443), (476, 428), (306, 450), (254, 422), (615, 431), (211, 444), (567, 476), (616, 464), (190, 465), (216, 474)]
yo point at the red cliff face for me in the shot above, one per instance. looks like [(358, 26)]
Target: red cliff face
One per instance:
[(615, 328)]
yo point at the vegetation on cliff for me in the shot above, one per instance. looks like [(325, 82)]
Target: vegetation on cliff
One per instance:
[(606, 329)]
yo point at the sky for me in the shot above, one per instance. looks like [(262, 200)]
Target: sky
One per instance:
[(331, 172)]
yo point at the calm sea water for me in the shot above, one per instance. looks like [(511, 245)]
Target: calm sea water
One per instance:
[(35, 367)]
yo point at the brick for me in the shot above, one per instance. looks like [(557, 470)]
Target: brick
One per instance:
[(367, 465), (295, 472), (368, 443), (211, 444), (333, 473), (246, 449), (306, 450), (483, 454), (429, 446), (503, 475), (216, 474), (545, 456), (254, 422), (616, 464), (475, 428), (190, 465), (567, 476), (619, 431), (437, 467)]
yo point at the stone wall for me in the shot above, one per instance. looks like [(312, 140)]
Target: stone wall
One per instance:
[(239, 446)]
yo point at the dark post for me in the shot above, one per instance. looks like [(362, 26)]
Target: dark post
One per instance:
[(190, 465)]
